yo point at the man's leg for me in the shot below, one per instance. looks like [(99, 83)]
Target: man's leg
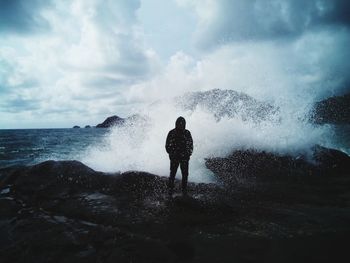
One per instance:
[(174, 164), (184, 171)]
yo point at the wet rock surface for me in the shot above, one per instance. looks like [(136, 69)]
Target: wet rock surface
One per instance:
[(334, 110), (66, 212), (244, 166)]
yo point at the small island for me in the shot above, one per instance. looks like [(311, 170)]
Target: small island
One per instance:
[(111, 121)]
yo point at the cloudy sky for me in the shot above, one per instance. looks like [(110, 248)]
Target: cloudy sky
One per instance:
[(67, 62)]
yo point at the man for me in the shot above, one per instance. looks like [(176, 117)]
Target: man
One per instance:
[(179, 146)]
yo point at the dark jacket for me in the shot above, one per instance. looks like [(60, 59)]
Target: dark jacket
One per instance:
[(179, 144)]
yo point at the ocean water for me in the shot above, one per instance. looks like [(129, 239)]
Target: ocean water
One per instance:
[(31, 146), (140, 147)]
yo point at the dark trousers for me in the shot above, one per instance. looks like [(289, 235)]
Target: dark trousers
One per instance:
[(174, 164)]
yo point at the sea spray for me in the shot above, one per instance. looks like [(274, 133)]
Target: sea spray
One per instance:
[(140, 145)]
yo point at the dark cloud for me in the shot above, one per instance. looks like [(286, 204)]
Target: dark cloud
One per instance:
[(237, 20), (339, 12), (22, 16)]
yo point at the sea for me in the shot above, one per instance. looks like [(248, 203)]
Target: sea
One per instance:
[(32, 146), (112, 150)]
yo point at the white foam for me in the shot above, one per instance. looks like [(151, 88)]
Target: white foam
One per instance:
[(141, 146)]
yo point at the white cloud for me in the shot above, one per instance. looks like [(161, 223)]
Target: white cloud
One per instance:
[(297, 72), (93, 50)]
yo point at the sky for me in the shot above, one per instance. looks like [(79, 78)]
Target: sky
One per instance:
[(76, 62)]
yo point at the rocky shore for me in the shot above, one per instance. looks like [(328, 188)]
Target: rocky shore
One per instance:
[(63, 211), (333, 110)]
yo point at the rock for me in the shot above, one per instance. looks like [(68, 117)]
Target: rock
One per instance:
[(110, 122), (248, 165), (245, 165), (331, 161), (334, 110), (87, 127), (76, 127), (229, 103), (64, 211)]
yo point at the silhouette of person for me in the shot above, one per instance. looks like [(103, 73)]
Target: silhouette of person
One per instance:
[(179, 146)]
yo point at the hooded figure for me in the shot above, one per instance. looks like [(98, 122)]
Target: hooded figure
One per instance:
[(179, 146)]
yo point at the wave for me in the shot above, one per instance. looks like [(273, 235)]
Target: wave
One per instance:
[(220, 121)]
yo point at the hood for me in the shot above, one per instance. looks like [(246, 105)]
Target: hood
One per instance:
[(180, 124)]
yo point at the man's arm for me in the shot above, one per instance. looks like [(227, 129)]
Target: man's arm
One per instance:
[(168, 143), (189, 143)]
